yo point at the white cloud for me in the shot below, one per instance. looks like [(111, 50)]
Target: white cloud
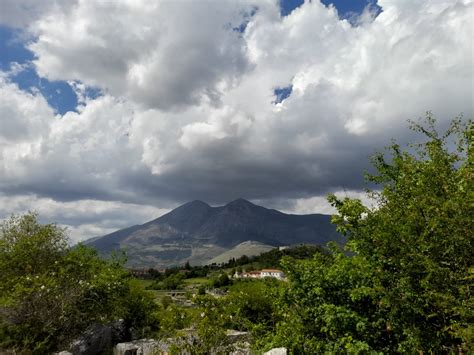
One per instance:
[(83, 218), (315, 204), (21, 13), (161, 54)]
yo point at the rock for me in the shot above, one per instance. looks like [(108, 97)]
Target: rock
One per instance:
[(140, 347), (241, 348), (236, 335), (100, 339), (277, 351), (120, 333), (126, 349)]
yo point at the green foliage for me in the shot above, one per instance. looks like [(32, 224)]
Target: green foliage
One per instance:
[(210, 324), (49, 293), (405, 284), (173, 318), (201, 290), (138, 307), (271, 259), (248, 306), (173, 282), (251, 304), (220, 279)]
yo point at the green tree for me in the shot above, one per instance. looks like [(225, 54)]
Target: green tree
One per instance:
[(50, 293), (251, 304), (405, 282), (220, 279)]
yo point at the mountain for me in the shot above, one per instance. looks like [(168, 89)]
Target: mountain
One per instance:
[(197, 232), (249, 248)]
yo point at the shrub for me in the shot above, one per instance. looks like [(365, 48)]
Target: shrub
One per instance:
[(50, 293)]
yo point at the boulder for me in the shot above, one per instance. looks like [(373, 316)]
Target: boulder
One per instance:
[(100, 339), (140, 347), (235, 336), (277, 351)]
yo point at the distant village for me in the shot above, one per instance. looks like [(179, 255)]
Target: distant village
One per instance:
[(257, 274)]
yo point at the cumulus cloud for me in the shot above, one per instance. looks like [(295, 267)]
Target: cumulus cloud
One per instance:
[(162, 54), (316, 204), (21, 13), (188, 107), (82, 218)]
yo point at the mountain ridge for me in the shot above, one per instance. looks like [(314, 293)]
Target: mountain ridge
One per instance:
[(197, 232)]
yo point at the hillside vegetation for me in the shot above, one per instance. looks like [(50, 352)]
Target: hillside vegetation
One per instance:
[(249, 248)]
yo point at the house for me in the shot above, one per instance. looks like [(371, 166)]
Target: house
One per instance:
[(254, 274), (275, 273)]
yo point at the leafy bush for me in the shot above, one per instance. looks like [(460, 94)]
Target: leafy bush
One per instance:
[(220, 279), (172, 282), (251, 303), (50, 293)]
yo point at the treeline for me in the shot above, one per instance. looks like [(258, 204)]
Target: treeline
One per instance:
[(269, 259), (272, 258), (219, 275)]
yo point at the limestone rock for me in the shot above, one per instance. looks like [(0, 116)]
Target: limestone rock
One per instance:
[(277, 351), (100, 339), (140, 347)]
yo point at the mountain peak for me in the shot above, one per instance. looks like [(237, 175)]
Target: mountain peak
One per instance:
[(188, 216), (240, 202), (197, 203)]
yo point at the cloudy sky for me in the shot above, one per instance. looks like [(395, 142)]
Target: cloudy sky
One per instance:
[(114, 112)]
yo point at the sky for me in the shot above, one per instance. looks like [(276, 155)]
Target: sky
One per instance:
[(114, 112)]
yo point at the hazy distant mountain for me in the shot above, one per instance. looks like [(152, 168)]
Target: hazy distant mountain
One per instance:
[(197, 232)]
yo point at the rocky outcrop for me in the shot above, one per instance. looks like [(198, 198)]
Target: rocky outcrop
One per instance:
[(153, 347), (140, 347), (235, 336), (100, 339)]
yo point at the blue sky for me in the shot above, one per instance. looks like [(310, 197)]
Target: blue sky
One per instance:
[(59, 94), (344, 7)]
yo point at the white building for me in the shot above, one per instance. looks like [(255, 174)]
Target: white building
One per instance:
[(275, 273)]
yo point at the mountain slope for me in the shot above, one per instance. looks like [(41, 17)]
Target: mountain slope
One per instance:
[(249, 248), (197, 232)]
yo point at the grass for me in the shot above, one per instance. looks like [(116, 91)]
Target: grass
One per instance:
[(197, 281), (144, 283)]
